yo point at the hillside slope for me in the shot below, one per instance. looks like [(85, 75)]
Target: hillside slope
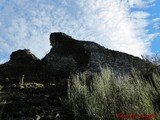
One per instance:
[(37, 88)]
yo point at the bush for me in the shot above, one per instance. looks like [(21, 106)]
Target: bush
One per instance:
[(107, 95)]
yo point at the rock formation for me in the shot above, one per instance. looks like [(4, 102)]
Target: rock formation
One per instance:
[(67, 56)]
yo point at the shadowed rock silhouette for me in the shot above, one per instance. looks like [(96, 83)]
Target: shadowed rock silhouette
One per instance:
[(67, 56)]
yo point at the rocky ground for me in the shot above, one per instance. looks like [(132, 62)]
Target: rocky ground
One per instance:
[(33, 101)]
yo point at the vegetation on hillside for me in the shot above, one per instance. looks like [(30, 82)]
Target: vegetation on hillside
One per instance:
[(107, 97), (90, 96)]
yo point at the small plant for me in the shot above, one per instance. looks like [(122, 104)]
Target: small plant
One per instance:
[(21, 82), (33, 85)]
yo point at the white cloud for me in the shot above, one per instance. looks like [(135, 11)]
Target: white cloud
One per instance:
[(156, 19), (140, 15), (141, 3), (119, 29), (156, 23), (156, 26), (28, 24)]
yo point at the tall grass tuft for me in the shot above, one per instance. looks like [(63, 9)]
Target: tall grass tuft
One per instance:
[(104, 95)]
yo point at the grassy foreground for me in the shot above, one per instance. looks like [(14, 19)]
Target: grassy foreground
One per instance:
[(106, 97)]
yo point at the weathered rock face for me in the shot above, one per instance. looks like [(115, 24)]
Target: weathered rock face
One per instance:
[(23, 56), (68, 56), (22, 62)]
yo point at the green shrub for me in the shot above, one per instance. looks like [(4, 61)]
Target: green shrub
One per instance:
[(107, 95)]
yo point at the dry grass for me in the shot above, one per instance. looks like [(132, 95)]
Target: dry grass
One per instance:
[(109, 95)]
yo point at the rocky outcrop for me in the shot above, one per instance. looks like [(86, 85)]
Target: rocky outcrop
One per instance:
[(23, 57), (67, 56), (22, 62)]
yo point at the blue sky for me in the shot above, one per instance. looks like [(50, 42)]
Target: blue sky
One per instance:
[(130, 26), (155, 28)]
